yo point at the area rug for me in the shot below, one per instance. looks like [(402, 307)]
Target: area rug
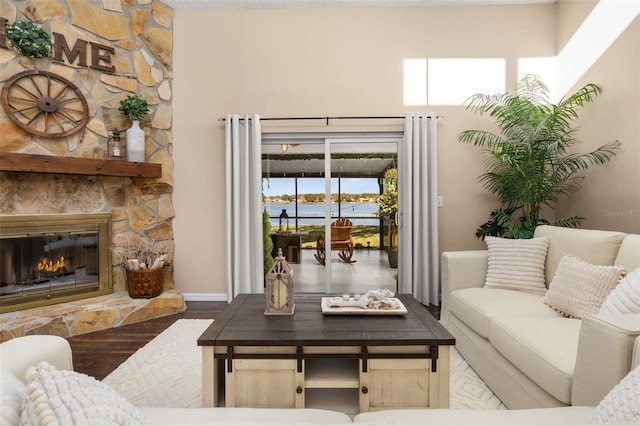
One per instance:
[(166, 372)]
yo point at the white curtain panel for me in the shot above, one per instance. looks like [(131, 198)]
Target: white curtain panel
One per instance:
[(418, 254), (244, 265)]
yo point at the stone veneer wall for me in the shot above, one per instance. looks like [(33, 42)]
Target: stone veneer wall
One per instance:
[(140, 31)]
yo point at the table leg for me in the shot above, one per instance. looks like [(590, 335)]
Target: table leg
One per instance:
[(439, 380), (209, 377)]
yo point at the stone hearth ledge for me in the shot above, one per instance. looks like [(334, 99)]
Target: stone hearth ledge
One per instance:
[(87, 315)]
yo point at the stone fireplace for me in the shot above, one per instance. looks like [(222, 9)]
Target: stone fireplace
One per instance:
[(49, 259), (138, 212), (73, 174)]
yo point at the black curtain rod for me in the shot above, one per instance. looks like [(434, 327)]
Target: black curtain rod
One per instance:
[(327, 118)]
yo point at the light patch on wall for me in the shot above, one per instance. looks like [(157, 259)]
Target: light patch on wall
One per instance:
[(451, 81), (546, 68), (415, 82), (605, 23)]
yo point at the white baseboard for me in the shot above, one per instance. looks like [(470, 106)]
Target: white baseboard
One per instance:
[(204, 297)]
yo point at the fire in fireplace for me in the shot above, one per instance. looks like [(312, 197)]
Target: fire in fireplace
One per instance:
[(48, 259)]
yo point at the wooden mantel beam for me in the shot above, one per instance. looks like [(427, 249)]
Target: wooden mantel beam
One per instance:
[(34, 163)]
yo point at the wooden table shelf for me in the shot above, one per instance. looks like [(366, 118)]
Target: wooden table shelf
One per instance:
[(331, 373), (35, 163)]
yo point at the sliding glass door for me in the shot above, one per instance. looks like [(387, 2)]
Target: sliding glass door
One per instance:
[(326, 188), (293, 188)]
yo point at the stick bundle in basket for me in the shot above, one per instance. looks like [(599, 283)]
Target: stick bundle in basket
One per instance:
[(135, 264)]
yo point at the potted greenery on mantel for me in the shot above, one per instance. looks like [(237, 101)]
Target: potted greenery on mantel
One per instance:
[(530, 165), (135, 109)]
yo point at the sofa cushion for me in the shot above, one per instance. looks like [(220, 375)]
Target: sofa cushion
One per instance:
[(593, 246), (543, 348), (242, 416), (477, 306), (65, 397), (559, 416), (11, 396), (622, 403), (516, 264), (625, 298), (579, 288)]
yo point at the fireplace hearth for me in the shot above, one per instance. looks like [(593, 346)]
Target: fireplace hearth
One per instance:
[(53, 258)]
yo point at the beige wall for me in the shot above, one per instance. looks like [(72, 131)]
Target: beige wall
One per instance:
[(570, 15), (610, 195), (335, 62)]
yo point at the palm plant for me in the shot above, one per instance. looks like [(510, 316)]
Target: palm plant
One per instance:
[(530, 165)]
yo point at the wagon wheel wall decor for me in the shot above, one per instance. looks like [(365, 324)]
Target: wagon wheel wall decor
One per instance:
[(44, 104)]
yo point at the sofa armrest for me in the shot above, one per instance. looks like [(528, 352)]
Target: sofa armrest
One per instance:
[(605, 355), (20, 353), (461, 269)]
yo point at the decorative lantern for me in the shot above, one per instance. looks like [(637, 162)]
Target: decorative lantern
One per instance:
[(279, 289), (115, 147), (283, 216)]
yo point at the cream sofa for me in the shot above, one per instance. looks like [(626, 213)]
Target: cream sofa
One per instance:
[(529, 354), (17, 355)]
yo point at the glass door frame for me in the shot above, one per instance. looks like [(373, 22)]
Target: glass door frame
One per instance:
[(329, 142), (329, 139)]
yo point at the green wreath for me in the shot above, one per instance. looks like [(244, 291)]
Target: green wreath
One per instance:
[(29, 39)]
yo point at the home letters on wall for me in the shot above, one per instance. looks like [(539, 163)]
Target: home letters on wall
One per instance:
[(98, 54)]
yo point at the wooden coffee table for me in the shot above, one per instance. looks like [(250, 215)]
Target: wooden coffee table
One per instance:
[(347, 362)]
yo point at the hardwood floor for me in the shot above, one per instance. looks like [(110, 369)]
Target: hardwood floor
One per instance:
[(99, 353)]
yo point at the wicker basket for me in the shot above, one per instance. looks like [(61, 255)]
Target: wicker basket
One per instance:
[(145, 283)]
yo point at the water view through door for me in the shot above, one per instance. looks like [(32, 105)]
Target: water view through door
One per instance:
[(302, 206)]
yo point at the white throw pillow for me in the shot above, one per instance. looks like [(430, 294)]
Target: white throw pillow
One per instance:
[(11, 395), (516, 264), (625, 298), (61, 397), (622, 403), (578, 288)]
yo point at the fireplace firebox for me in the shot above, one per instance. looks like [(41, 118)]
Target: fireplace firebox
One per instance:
[(53, 258)]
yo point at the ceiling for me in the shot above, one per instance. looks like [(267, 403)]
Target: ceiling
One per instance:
[(293, 4), (354, 157), (313, 167)]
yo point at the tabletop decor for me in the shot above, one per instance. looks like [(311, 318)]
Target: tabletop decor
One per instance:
[(115, 146), (279, 289), (283, 222), (373, 302)]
